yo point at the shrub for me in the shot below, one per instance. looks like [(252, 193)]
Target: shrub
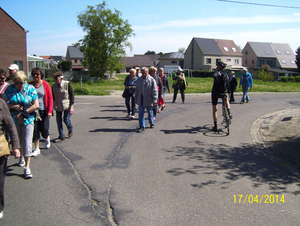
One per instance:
[(283, 79), (78, 91), (291, 78), (202, 74), (297, 79)]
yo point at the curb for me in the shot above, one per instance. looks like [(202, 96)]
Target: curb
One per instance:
[(260, 130)]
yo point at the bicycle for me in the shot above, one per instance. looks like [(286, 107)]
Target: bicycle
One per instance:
[(226, 117)]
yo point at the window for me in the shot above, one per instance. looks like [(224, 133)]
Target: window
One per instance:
[(81, 61), (283, 61), (278, 52), (75, 61), (20, 64), (226, 49), (208, 60), (246, 52), (218, 60), (246, 61), (228, 60), (261, 62), (236, 61), (173, 61), (253, 61), (267, 52), (270, 63), (234, 49), (293, 62), (287, 52)]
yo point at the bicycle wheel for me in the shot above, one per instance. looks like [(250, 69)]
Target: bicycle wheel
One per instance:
[(226, 118)]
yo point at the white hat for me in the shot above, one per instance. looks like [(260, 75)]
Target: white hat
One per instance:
[(13, 67), (179, 69)]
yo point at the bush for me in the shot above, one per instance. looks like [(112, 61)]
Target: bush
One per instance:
[(78, 91), (202, 74), (297, 79), (291, 78), (65, 65), (283, 79)]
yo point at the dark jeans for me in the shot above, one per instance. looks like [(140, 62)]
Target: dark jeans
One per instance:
[(127, 102), (3, 168), (231, 99), (181, 89), (59, 121), (41, 127)]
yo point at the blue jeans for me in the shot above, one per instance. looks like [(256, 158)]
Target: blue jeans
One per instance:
[(142, 114), (59, 122), (245, 95)]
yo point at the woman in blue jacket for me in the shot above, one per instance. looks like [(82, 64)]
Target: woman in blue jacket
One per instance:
[(247, 83)]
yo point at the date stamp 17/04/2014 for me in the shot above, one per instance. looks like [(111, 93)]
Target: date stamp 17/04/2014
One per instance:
[(258, 199)]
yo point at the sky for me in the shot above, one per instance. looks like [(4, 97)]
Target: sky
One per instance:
[(159, 25)]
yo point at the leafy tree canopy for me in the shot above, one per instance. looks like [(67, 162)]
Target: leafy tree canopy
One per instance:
[(298, 58), (150, 52), (106, 38)]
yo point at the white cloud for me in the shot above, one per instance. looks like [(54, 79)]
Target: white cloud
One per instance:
[(172, 41), (215, 21)]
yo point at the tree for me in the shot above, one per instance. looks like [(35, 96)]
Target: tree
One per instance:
[(150, 52), (106, 38), (298, 58), (181, 50), (265, 74), (65, 65)]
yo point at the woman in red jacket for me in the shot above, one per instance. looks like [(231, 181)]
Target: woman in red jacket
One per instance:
[(45, 110)]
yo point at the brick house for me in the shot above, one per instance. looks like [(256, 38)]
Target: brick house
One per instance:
[(12, 42), (76, 57)]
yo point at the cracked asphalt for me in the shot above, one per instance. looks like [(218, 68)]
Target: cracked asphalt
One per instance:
[(179, 173)]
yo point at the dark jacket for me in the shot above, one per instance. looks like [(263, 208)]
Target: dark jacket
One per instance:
[(132, 87), (232, 83), (221, 82), (159, 84), (165, 83)]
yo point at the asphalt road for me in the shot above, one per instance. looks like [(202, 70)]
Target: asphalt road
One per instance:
[(179, 173)]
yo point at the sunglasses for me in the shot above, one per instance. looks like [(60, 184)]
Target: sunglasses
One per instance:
[(2, 77), (19, 83), (35, 74)]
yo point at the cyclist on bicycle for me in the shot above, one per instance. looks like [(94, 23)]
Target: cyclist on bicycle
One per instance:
[(221, 84)]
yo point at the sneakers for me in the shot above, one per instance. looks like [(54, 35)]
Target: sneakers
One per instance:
[(128, 115), (59, 139), (230, 116), (70, 134), (215, 128), (132, 116), (141, 129), (47, 142), (36, 152), (21, 161), (151, 126), (27, 173), (1, 215)]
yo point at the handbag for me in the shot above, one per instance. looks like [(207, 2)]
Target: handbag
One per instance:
[(4, 149), (125, 93), (36, 111)]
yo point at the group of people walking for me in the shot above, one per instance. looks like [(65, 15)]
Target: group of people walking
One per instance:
[(147, 90), (25, 111)]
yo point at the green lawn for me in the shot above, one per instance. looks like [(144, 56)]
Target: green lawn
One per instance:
[(196, 85)]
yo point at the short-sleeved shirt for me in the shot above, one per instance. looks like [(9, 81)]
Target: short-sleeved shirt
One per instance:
[(17, 97)]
